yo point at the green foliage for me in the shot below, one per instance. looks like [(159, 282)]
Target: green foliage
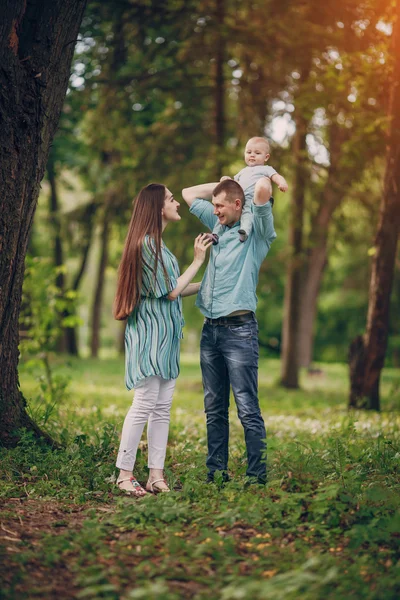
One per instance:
[(142, 104), (45, 312), (325, 525)]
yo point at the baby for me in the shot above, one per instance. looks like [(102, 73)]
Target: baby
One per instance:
[(256, 154)]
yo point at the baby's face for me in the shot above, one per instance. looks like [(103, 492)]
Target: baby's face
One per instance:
[(255, 153)]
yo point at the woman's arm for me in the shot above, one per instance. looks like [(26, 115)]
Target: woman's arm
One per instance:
[(203, 191), (191, 289), (201, 244)]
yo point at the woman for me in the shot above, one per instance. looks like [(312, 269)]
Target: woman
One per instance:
[(149, 294)]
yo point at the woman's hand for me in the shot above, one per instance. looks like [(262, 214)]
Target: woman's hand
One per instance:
[(201, 245)]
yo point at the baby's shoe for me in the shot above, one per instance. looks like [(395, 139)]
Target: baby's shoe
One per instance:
[(242, 235)]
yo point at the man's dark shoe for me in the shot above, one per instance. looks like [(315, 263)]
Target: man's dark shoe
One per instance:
[(254, 481), (218, 476)]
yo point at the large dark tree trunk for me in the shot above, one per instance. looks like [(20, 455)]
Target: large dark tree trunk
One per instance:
[(37, 41), (291, 319), (367, 353)]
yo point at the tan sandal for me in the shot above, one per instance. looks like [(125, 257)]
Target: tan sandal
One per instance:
[(137, 490), (155, 489)]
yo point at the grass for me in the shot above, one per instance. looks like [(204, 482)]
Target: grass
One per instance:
[(327, 524)]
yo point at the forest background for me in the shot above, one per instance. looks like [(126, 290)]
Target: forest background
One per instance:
[(170, 92)]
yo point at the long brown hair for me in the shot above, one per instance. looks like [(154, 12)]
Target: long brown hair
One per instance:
[(146, 220)]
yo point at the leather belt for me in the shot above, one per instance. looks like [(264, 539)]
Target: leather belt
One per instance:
[(234, 320)]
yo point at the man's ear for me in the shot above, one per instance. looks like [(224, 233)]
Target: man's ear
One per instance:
[(238, 203)]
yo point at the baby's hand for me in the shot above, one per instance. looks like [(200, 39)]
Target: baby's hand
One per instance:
[(283, 186), (224, 177)]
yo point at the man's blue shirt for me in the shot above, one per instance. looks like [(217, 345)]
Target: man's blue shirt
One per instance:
[(230, 281)]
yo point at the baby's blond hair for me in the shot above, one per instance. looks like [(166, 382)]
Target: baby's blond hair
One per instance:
[(258, 140)]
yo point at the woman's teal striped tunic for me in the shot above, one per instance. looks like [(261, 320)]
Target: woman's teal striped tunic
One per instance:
[(154, 329)]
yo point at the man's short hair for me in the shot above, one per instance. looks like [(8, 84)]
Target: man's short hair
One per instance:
[(233, 191)]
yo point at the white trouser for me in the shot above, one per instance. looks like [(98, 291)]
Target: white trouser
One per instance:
[(151, 403)]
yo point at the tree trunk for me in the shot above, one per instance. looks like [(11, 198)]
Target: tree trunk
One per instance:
[(54, 210), (220, 89), (71, 333), (58, 255), (315, 255), (291, 320), (98, 296), (315, 261), (110, 160), (367, 353), (121, 339), (36, 48)]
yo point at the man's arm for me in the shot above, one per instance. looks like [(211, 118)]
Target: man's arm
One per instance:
[(203, 191)]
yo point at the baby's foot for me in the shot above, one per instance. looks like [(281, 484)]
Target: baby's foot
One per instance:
[(212, 237), (242, 235)]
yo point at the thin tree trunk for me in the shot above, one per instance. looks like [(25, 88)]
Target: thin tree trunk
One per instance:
[(291, 321), (36, 47), (71, 333), (220, 89), (316, 253), (88, 218), (110, 159), (367, 353), (308, 304), (58, 255), (121, 338), (54, 210), (98, 296), (315, 261)]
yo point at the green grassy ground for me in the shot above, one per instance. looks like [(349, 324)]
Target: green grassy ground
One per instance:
[(327, 524)]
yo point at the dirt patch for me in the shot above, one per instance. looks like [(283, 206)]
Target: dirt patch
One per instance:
[(23, 523)]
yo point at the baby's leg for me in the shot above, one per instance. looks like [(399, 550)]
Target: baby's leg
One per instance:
[(263, 191), (246, 220)]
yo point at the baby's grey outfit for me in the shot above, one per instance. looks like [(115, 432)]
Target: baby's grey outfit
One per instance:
[(248, 178)]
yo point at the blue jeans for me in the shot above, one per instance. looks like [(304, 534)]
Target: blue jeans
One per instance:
[(229, 357)]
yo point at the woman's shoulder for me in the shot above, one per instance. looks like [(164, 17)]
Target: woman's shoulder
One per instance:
[(148, 240), (149, 244)]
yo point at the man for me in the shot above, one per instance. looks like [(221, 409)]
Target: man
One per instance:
[(227, 299)]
